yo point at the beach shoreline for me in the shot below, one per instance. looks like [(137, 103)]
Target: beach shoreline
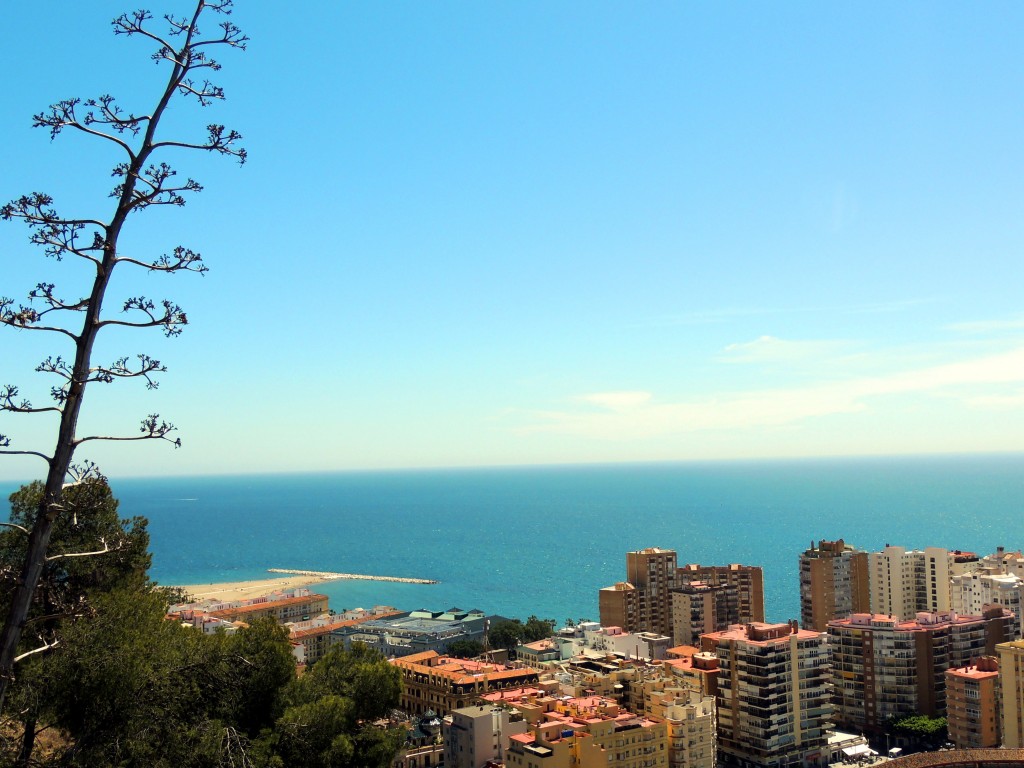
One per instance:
[(244, 590)]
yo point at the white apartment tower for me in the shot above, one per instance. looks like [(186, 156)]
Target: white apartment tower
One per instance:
[(904, 583), (971, 592)]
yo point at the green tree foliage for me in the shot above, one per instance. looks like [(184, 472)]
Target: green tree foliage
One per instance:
[(511, 632), (465, 649), (90, 525), (538, 629), (919, 729), (93, 551), (329, 714), (122, 685), (506, 634)]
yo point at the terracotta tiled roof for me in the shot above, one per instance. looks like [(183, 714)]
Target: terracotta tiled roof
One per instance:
[(975, 758)]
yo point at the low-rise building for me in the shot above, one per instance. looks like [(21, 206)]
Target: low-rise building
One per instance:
[(583, 732), (441, 683), (416, 631), (480, 734), (316, 635), (972, 704), (298, 605)]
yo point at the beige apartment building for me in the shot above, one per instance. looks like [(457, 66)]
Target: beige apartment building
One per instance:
[(904, 583), (584, 732), (284, 609), (692, 734), (774, 695), (883, 667), (643, 603), (1011, 673), (833, 583), (972, 704), (698, 608), (747, 580)]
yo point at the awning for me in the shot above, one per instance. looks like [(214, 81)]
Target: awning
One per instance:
[(860, 749)]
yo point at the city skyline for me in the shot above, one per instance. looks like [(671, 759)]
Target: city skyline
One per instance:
[(527, 235)]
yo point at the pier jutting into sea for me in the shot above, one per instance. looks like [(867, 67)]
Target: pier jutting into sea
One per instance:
[(356, 576)]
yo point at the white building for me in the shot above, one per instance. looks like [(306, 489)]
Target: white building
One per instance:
[(904, 583), (973, 591), (479, 734)]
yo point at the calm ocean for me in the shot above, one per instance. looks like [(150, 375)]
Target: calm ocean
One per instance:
[(544, 540)]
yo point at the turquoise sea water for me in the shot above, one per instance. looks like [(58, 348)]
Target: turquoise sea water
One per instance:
[(544, 540)]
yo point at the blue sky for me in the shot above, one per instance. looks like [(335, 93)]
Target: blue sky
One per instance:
[(497, 233)]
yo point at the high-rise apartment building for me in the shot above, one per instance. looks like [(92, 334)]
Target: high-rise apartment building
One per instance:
[(1011, 672), (644, 602), (883, 667), (987, 586), (748, 581), (698, 608), (972, 704), (904, 583), (833, 583), (774, 703)]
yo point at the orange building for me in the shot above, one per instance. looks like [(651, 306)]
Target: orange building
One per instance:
[(441, 683), (884, 667), (833, 583), (695, 670), (748, 581), (643, 603), (972, 704)]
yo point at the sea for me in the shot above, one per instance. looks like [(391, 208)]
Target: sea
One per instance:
[(543, 540)]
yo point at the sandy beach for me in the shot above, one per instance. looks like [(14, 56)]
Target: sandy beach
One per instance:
[(239, 590)]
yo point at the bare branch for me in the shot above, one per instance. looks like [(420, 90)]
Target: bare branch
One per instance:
[(120, 370), (153, 428), (63, 115), (18, 527), (9, 392), (219, 140), (172, 320), (182, 260), (80, 473), (44, 647), (105, 550), (56, 234), (5, 441)]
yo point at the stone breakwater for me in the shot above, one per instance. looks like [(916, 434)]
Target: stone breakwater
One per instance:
[(356, 576)]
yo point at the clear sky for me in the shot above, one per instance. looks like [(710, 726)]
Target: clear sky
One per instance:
[(526, 233)]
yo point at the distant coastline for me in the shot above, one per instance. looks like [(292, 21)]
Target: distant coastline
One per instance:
[(543, 541)]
